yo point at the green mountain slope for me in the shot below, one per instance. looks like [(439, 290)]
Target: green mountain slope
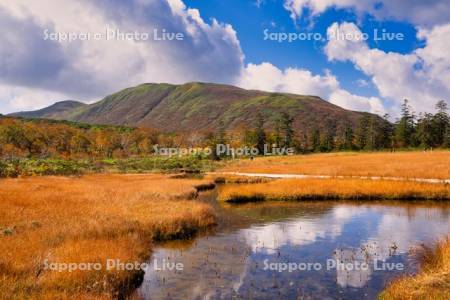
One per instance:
[(205, 106), (57, 111)]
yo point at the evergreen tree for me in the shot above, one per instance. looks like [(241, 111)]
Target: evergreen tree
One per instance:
[(315, 140), (386, 131), (372, 134), (362, 133), (327, 143), (288, 131), (441, 123), (425, 131), (404, 129), (348, 138)]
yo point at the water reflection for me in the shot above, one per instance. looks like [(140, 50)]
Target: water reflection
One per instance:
[(233, 263)]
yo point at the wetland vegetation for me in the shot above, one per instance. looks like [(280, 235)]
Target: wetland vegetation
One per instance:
[(59, 220), (89, 218)]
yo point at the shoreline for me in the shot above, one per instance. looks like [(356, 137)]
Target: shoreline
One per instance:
[(308, 176), (308, 189)]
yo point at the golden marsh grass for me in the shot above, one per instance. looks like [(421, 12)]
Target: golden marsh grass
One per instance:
[(88, 220), (432, 164), (433, 280), (329, 189)]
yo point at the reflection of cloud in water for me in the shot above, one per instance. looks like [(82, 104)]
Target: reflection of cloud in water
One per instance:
[(401, 227), (347, 277), (405, 231), (397, 231), (269, 238), (223, 266), (358, 263), (345, 212)]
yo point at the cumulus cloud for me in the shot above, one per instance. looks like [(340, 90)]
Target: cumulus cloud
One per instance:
[(268, 77), (19, 64), (423, 76), (424, 13), (14, 99), (36, 72), (345, 99), (90, 69), (299, 8)]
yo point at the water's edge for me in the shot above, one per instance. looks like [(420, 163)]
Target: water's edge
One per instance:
[(246, 234), (306, 176)]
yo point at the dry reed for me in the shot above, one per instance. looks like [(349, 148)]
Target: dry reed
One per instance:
[(432, 281), (433, 164), (88, 220), (328, 189)]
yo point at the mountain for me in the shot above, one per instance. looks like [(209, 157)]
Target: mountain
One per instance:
[(200, 106), (57, 111)]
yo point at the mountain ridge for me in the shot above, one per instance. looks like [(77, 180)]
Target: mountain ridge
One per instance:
[(58, 110), (198, 106)]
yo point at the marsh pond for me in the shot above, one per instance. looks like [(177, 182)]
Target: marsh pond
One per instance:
[(296, 250)]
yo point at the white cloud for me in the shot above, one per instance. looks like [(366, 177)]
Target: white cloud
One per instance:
[(14, 99), (298, 8), (423, 76), (42, 72), (419, 12), (424, 13), (435, 56), (34, 73), (347, 100), (298, 81), (91, 69), (267, 77)]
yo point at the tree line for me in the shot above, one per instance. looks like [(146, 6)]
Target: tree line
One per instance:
[(46, 139), (373, 133), (425, 130), (34, 138)]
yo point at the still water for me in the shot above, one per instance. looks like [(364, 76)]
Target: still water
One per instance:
[(322, 250)]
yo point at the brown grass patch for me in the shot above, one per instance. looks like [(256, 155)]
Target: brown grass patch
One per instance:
[(399, 164), (432, 282), (329, 189), (236, 179), (88, 219)]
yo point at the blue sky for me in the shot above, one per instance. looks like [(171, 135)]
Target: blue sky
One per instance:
[(224, 43), (250, 20)]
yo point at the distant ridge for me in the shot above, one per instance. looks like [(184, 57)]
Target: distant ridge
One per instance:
[(59, 111)]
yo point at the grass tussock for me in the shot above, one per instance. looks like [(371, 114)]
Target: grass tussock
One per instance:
[(88, 220), (399, 164), (334, 189), (432, 282)]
